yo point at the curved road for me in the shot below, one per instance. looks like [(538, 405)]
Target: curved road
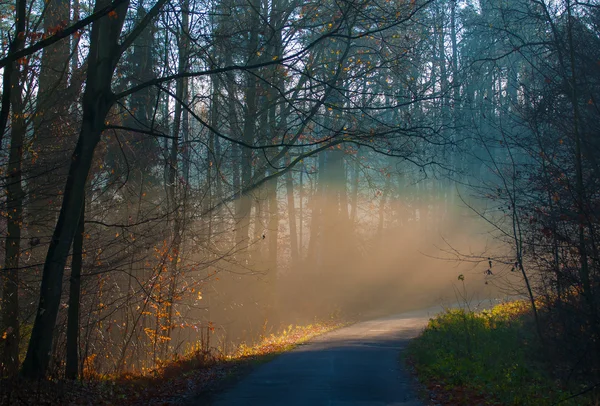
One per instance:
[(352, 366)]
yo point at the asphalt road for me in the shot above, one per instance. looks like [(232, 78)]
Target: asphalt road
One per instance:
[(352, 366)]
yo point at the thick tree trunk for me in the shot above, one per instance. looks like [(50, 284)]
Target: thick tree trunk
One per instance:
[(14, 207), (8, 84), (40, 344), (72, 363), (96, 103), (142, 64), (581, 196), (53, 139)]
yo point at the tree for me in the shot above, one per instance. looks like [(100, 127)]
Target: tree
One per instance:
[(14, 206), (296, 83), (104, 53)]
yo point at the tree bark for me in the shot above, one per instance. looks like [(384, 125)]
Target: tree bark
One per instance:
[(181, 92), (16, 45), (72, 362), (14, 207), (289, 184), (273, 245), (97, 101), (52, 138), (383, 202), (355, 183), (245, 202)]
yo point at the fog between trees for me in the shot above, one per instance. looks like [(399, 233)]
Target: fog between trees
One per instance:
[(177, 170)]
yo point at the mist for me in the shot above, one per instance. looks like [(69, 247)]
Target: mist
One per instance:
[(240, 166), (372, 267)]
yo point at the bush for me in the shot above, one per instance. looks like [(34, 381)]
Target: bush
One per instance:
[(494, 356)]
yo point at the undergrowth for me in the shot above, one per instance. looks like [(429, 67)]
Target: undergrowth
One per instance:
[(492, 357), (203, 370), (174, 382)]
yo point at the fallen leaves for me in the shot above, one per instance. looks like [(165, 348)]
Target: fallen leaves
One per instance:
[(176, 382)]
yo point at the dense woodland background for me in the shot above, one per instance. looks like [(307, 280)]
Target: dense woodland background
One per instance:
[(175, 170)]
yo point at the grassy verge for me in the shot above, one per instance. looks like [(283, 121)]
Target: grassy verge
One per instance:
[(488, 358)]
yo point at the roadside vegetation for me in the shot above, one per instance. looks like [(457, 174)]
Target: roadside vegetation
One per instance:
[(195, 377), (491, 357), (167, 166)]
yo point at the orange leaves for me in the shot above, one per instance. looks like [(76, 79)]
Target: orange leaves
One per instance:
[(152, 334), (169, 376), (287, 337), (56, 29), (34, 36), (88, 366), (113, 15), (6, 333)]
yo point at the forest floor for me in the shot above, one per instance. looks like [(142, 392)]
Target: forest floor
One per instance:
[(491, 357), (195, 376)]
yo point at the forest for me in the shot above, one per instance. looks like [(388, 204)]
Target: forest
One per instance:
[(184, 173)]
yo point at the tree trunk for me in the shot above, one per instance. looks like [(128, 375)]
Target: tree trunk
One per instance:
[(52, 137), (454, 111), (181, 93), (289, 184), (301, 214), (316, 226), (16, 45), (14, 207), (245, 202), (212, 167), (71, 369), (581, 195), (355, 183), (97, 101), (273, 245), (382, 203)]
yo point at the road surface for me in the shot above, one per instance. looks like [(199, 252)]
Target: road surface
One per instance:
[(353, 366)]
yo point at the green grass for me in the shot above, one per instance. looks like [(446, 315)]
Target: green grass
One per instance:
[(492, 357)]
